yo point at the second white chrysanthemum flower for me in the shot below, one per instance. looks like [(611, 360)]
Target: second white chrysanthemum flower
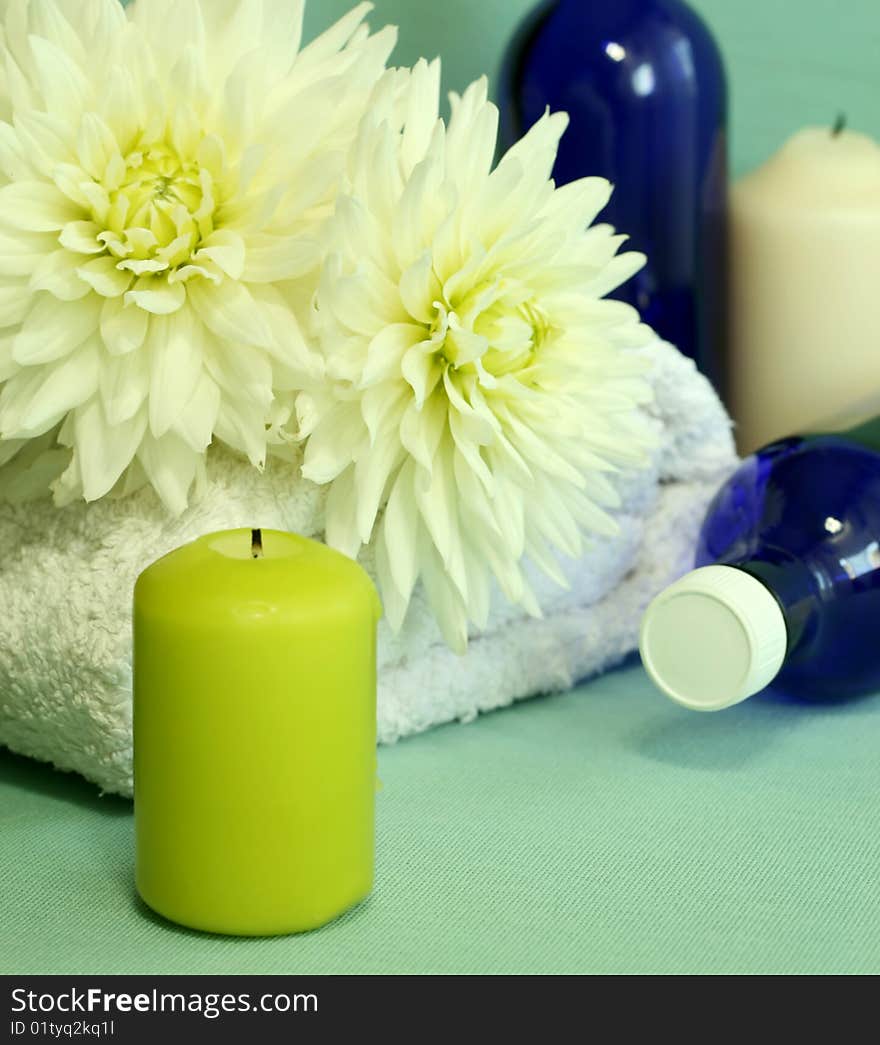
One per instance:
[(478, 388)]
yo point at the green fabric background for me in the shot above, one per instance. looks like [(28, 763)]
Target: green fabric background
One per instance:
[(605, 830)]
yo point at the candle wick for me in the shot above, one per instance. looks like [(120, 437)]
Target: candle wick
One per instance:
[(257, 544), (839, 125)]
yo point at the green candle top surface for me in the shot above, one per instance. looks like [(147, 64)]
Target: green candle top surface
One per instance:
[(222, 572)]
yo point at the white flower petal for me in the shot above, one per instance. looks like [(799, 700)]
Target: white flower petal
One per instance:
[(243, 372), (616, 272), (475, 497), (46, 138), (21, 95), (542, 556), (123, 326), (125, 384), (35, 206), (399, 532), (437, 502), (243, 427), (334, 443), (96, 146), (470, 449), (15, 395), (171, 466), (422, 208), (394, 603), (226, 249), (269, 259), (195, 424), (48, 21), (281, 37), (382, 410), (479, 596), (45, 394), (105, 276), (156, 296), (420, 288), (120, 105), (57, 273), (20, 253), (14, 163), (230, 313), (387, 349), (145, 267), (373, 472), (578, 204), (16, 300), (447, 604), (536, 150), (79, 190), (207, 271), (63, 85), (53, 329), (290, 346), (421, 370), (334, 38), (554, 523), (341, 525), (473, 130), (421, 429), (8, 366), (365, 305), (423, 104), (81, 237), (103, 451), (175, 352)]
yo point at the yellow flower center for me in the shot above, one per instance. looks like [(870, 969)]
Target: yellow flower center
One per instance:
[(161, 182), (160, 212), (505, 338)]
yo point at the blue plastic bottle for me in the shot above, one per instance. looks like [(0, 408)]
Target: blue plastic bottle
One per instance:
[(644, 86), (787, 589)]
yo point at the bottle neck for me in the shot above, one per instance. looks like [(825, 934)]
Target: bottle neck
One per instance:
[(793, 586)]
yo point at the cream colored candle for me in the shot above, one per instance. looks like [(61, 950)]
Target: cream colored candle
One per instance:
[(805, 285)]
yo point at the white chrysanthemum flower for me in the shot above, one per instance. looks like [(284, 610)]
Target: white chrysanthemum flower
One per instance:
[(479, 388), (164, 173)]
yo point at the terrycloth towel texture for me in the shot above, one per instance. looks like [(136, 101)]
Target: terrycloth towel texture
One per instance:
[(66, 578)]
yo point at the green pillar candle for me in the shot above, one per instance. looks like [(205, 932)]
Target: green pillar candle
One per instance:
[(254, 733)]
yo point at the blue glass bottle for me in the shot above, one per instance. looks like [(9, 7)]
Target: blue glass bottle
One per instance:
[(798, 521), (644, 85)]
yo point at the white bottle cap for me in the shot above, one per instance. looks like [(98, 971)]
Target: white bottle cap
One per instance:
[(713, 638)]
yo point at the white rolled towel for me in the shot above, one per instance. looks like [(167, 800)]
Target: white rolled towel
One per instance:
[(66, 580)]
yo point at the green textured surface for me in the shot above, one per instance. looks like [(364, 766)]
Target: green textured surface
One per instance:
[(790, 62), (604, 830)]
